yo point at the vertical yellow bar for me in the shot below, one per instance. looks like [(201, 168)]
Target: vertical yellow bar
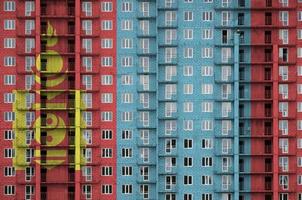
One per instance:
[(77, 129)]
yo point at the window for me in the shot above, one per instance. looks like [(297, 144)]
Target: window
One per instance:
[(188, 52), (299, 143), (9, 153), (207, 196), (207, 143), (144, 118), (9, 190), (9, 6), (29, 45), (29, 63), (87, 173), (9, 171), (299, 15), (86, 190), (106, 61), (9, 135), (144, 99), (87, 136), (29, 81), (87, 63), (206, 162), (299, 179), (127, 116), (171, 35), (226, 54), (29, 26), (126, 134), (283, 36), (127, 79), (188, 88), (226, 182), (207, 52), (126, 152), (188, 125), (188, 180), (170, 54), (127, 7), (106, 98), (170, 18), (107, 189), (226, 72), (207, 106), (106, 80), (106, 6), (127, 189), (206, 125), (283, 17), (106, 25), (188, 143), (106, 171), (106, 134), (206, 71), (127, 97), (106, 43), (127, 43), (87, 45), (299, 88), (9, 43), (87, 8), (144, 82), (127, 61), (29, 7), (9, 116), (9, 61), (299, 52), (283, 181), (127, 25), (188, 70), (188, 161), (188, 106), (9, 24), (207, 16), (207, 34), (299, 106), (87, 117), (206, 180), (107, 153), (226, 146), (126, 171), (299, 34), (188, 16), (106, 116), (87, 26), (206, 89), (299, 161), (188, 34), (144, 27)]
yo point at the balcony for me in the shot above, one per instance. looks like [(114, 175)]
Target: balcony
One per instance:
[(268, 183), (43, 195), (268, 167), (71, 159), (268, 147)]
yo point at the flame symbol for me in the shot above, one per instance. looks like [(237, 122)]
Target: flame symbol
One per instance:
[(52, 40)]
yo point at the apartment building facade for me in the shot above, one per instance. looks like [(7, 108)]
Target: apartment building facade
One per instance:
[(151, 99)]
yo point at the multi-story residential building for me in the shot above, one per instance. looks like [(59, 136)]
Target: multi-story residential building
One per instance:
[(151, 99)]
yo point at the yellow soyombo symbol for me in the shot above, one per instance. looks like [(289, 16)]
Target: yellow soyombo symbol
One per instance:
[(55, 125)]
